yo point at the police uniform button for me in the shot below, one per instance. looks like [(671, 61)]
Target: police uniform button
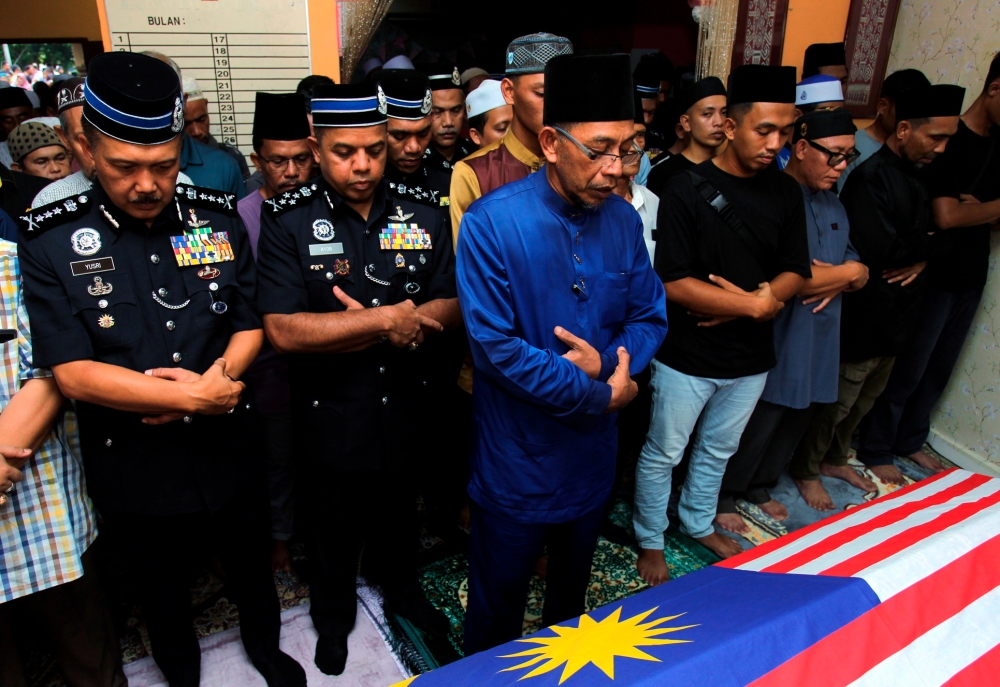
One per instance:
[(315, 404), (163, 292), (367, 232), (385, 399), (107, 442), (187, 419), (413, 268), (170, 325), (329, 276), (424, 382), (213, 286), (177, 357), (381, 370), (154, 258), (375, 302), (102, 304)]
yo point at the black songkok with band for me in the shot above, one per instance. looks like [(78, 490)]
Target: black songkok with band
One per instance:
[(133, 98), (407, 93), (280, 117), (70, 94), (823, 124), (588, 88), (761, 83), (441, 77), (699, 90), (348, 105), (941, 100)]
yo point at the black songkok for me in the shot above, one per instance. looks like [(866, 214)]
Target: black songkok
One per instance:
[(407, 93), (941, 100), (70, 94), (903, 80), (280, 117), (133, 98), (346, 105), (699, 90), (761, 83), (823, 124), (442, 77), (822, 55), (14, 97), (588, 88)]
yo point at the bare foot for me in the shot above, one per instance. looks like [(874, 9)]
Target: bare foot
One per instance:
[(889, 473), (653, 566), (849, 475), (721, 545), (927, 461), (281, 557), (776, 509), (814, 494), (732, 522)]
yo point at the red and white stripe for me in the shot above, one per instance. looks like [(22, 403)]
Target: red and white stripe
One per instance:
[(931, 552)]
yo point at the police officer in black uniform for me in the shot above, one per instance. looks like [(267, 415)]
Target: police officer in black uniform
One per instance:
[(408, 105), (142, 301), (448, 146), (351, 281)]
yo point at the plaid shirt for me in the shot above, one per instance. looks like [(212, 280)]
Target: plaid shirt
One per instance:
[(49, 521)]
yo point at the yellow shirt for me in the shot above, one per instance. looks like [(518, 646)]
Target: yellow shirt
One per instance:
[(464, 191)]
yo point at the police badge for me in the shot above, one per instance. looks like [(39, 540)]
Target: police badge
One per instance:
[(425, 107), (85, 241), (456, 78), (178, 121), (382, 106), (323, 230)]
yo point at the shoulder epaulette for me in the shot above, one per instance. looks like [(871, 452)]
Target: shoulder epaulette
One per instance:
[(295, 198), (37, 220), (208, 198)]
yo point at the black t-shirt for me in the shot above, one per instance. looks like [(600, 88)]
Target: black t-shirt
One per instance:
[(660, 174), (965, 266), (694, 241)]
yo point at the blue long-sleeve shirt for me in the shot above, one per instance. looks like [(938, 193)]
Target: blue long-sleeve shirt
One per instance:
[(528, 261)]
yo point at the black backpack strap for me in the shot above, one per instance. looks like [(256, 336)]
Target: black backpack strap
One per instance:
[(718, 202)]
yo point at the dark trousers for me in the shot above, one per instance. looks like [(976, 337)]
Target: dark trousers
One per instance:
[(765, 449), (279, 459), (898, 423), (349, 509), (158, 549), (75, 618), (501, 559)]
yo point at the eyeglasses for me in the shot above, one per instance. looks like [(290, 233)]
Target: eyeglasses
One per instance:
[(836, 158), (602, 159), (299, 161)]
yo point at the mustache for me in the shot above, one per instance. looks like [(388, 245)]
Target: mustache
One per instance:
[(145, 199), (448, 130)]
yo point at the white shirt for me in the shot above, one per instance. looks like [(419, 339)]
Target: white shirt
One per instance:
[(646, 204)]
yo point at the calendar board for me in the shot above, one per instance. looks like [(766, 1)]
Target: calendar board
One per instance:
[(234, 48)]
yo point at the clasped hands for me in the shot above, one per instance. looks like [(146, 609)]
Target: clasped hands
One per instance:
[(764, 307), (404, 324), (586, 357)]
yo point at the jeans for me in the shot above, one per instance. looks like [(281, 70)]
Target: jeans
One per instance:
[(898, 423), (678, 401), (502, 556)]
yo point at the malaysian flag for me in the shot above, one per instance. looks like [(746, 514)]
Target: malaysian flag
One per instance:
[(904, 590)]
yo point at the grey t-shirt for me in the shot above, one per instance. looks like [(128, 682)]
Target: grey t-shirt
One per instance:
[(867, 146)]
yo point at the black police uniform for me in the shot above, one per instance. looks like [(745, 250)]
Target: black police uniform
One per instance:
[(429, 185), (360, 413), (101, 285), (463, 149)]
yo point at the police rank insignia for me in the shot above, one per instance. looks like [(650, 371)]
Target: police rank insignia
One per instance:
[(342, 268), (323, 230), (404, 237), (85, 241), (106, 321), (202, 249), (400, 260)]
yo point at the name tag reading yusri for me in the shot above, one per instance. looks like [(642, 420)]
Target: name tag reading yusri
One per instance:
[(326, 248), (82, 267)]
